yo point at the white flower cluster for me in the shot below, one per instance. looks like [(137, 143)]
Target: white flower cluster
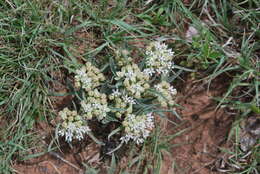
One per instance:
[(167, 92), (72, 126), (88, 77), (159, 59), (137, 127), (135, 81), (123, 102), (132, 85), (95, 105)]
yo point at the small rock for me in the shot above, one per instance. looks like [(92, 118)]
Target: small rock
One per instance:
[(251, 133), (247, 142), (253, 126), (191, 32)]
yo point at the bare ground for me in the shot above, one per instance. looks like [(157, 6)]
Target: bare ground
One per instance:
[(197, 149)]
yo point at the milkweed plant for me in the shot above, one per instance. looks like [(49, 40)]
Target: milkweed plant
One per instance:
[(134, 90)]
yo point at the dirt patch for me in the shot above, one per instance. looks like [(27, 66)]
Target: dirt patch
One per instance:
[(58, 87), (197, 149), (65, 160), (48, 165)]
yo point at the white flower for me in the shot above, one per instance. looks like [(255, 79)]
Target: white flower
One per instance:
[(81, 72), (95, 106), (168, 92), (88, 77), (86, 82), (128, 100), (86, 106), (73, 131), (137, 128), (130, 74), (137, 88), (116, 93), (72, 126), (134, 80), (83, 78), (159, 59), (172, 90), (122, 101), (149, 71), (158, 87)]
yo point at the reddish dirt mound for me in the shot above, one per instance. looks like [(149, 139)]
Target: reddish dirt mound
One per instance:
[(48, 165), (206, 130), (66, 160), (61, 163)]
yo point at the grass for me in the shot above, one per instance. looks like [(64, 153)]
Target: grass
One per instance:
[(40, 38)]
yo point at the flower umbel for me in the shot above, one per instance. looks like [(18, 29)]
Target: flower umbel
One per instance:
[(134, 80), (159, 59), (72, 126), (95, 105), (88, 77), (167, 92), (137, 127), (123, 102)]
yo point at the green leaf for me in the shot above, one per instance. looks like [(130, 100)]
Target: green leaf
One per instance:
[(112, 66), (114, 132), (90, 134), (255, 109), (214, 55), (97, 50), (112, 168), (83, 24)]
